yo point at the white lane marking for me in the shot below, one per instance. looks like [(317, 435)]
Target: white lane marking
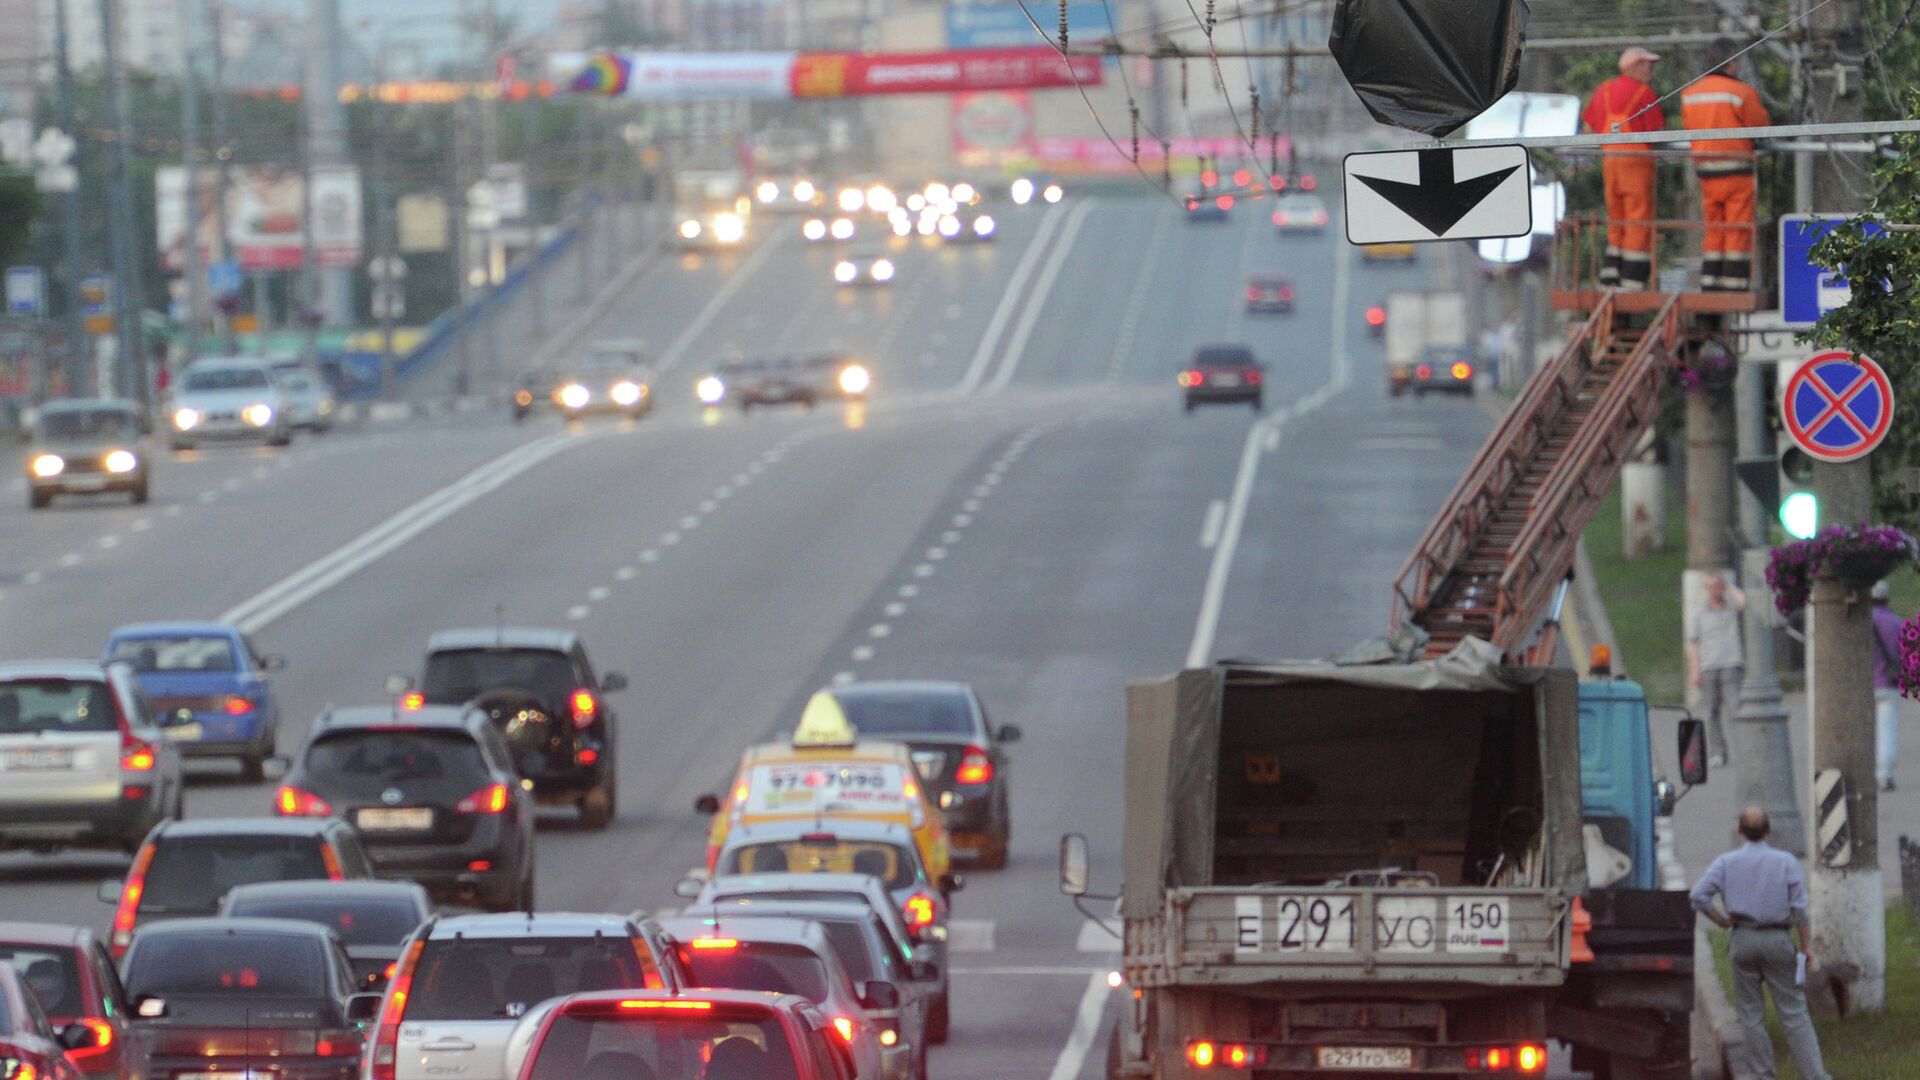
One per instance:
[(260, 472), (142, 524), (961, 521), (690, 522), (842, 678), (971, 506), (176, 510), (894, 609), (1137, 297), (951, 536), (208, 496), (879, 630), (862, 653), (1009, 300), (924, 570), (723, 492), (108, 542), (992, 479), (708, 506), (936, 553), (669, 539), (1098, 937), (32, 577), (260, 610), (625, 573), (1210, 525), (982, 491), (909, 591), (1086, 1023), (754, 467), (73, 559), (733, 284), (650, 555), (231, 483), (969, 935), (577, 612), (598, 593), (1030, 318)]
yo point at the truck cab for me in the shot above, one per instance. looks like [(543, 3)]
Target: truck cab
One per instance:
[(1617, 785)]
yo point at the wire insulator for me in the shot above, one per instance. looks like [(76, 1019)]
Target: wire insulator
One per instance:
[(1134, 111), (1166, 164), (1063, 24), (1254, 93), (1208, 25), (1183, 82)]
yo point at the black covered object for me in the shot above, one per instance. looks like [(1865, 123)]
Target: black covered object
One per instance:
[(1429, 65)]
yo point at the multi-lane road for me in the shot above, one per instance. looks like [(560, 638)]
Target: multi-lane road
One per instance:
[(1022, 505)]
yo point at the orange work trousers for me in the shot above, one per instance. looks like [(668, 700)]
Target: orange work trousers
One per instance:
[(1726, 203), (1629, 185)]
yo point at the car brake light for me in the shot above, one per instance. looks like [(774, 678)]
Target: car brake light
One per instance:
[(819, 838), (1224, 202), (844, 1026), (1277, 182), (586, 756), (671, 1005), (1308, 183), (290, 801), (1530, 1058), (975, 767), (1279, 217), (919, 911), (1286, 292), (1192, 378), (712, 943), (1241, 178), (129, 906), (102, 1039), (136, 758), (238, 706), (413, 701), (24, 1071), (1253, 292), (1209, 178), (1206, 1055), (1376, 316), (1252, 378), (1200, 1054), (1461, 370), (332, 863), (584, 708), (1423, 371), (491, 799), (386, 1036), (1319, 217)]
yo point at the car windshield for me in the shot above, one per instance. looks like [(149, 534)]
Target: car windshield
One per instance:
[(775, 967), (904, 712), (190, 874), (169, 654), (226, 379), (1223, 355), (293, 380), (358, 920), (682, 1045), (58, 425), (55, 706), (895, 866), (480, 978), (456, 676), (52, 974), (227, 965), (610, 361), (371, 759)]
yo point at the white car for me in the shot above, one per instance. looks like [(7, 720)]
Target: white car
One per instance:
[(310, 401), (864, 267), (1300, 213), (228, 398)]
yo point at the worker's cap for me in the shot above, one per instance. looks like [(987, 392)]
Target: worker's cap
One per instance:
[(1634, 55)]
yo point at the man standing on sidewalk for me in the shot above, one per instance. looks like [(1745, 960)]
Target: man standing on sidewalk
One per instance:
[(1714, 658), (1886, 692), (1765, 899)]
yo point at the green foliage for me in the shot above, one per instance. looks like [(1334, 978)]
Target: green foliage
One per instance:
[(17, 201)]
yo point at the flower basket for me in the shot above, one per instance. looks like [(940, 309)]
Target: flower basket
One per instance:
[(1857, 556)]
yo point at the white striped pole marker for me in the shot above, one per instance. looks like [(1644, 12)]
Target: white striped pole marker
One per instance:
[(1830, 804)]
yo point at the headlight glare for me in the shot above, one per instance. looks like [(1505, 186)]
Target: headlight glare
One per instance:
[(690, 229), (574, 396), (729, 228), (186, 419), (625, 393), (983, 226), (844, 271), (45, 465), (120, 461), (854, 379), (882, 270), (710, 389), (259, 414), (814, 229)]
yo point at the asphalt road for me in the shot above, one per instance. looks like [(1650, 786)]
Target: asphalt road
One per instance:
[(1022, 505)]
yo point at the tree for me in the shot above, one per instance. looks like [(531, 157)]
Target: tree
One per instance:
[(17, 202)]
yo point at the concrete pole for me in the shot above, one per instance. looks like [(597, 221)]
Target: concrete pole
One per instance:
[(130, 379), (79, 366), (326, 143), (1710, 479), (196, 273), (223, 157)]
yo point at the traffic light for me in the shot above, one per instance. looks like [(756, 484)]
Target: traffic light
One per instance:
[(1782, 483)]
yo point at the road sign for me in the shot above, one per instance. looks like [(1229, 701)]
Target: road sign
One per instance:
[(1837, 406), (26, 290), (1439, 193), (223, 279), (1808, 291), (386, 268), (388, 301)]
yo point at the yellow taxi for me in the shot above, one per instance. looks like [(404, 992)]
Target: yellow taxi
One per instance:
[(1399, 251), (826, 772)]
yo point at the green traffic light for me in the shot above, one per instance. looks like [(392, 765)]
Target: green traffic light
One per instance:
[(1800, 515)]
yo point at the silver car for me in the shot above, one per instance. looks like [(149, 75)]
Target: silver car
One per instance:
[(83, 446), (310, 401), (228, 398), (81, 764)]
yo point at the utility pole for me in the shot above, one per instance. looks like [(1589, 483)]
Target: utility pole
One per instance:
[(326, 144), (190, 155), (130, 377), (79, 352), (223, 157), (387, 285), (307, 307)]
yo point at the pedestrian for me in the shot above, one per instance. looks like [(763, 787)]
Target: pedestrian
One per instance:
[(1714, 659), (1725, 167), (1627, 103), (1886, 692), (1764, 896)]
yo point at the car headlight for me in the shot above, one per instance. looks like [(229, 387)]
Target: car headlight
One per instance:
[(964, 193), (938, 192), (710, 389), (690, 229), (1022, 191), (814, 229), (626, 393), (844, 271), (983, 226), (45, 465), (882, 270), (852, 200), (729, 228), (120, 461), (767, 191), (854, 379), (325, 407), (843, 228), (804, 191), (949, 226), (902, 227), (186, 419), (574, 396), (1053, 193), (916, 202), (880, 200), (926, 225), (259, 414), (523, 397)]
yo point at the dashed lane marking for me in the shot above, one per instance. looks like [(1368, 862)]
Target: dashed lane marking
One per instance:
[(969, 935), (598, 593), (577, 612), (862, 653)]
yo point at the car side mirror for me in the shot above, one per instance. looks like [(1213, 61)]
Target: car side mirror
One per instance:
[(1693, 751), (362, 1008), (687, 888), (275, 767), (1664, 798), (150, 1008), (952, 883), (878, 994), (398, 684), (708, 804), (272, 662), (923, 971), (1073, 864), (1008, 733), (109, 891), (78, 1037), (613, 681)]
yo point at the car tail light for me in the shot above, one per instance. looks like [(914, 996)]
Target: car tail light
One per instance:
[(1203, 1054), (386, 1035), (1241, 178), (291, 801), (128, 909), (136, 757), (1319, 217), (1252, 378), (669, 1005), (134, 791), (491, 799), (715, 944), (1376, 316), (1525, 1058), (1461, 370), (337, 1044), (413, 701), (1286, 292), (1277, 182), (1279, 217), (1209, 178), (975, 767), (1192, 203), (584, 707), (1224, 202), (1253, 292), (1530, 1058), (102, 1039), (479, 866), (844, 1025), (23, 1070), (919, 911), (1192, 378), (1308, 183), (586, 756), (332, 863), (238, 706), (1423, 371)]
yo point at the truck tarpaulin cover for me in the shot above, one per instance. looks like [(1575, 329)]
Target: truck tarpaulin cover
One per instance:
[(1429, 65)]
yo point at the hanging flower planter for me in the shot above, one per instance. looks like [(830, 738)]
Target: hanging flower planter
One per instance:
[(1712, 367), (1856, 555)]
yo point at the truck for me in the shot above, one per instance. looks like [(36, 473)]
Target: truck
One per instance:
[(1333, 867), (1418, 323)]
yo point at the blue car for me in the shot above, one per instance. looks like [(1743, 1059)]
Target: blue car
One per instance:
[(207, 686)]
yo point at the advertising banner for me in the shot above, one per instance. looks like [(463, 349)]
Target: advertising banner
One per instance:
[(991, 126), (675, 76), (817, 75), (264, 211)]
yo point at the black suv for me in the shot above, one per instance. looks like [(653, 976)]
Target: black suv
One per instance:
[(432, 793), (539, 690)]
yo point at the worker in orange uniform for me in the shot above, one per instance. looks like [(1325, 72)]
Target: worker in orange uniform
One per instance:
[(1725, 168), (1627, 169)]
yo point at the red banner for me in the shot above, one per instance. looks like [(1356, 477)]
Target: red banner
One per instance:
[(818, 75)]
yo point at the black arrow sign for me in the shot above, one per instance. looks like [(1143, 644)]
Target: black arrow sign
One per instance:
[(1437, 202)]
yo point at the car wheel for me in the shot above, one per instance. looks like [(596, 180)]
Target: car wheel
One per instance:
[(1259, 404), (938, 1021), (1189, 406), (39, 500), (140, 493), (597, 806)]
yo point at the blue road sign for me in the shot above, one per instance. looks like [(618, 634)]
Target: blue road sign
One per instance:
[(93, 295), (1002, 25), (1807, 291), (223, 279), (26, 290), (1837, 406)]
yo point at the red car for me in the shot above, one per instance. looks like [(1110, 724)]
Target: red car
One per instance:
[(691, 1035), (1223, 375), (30, 1049), (68, 969)]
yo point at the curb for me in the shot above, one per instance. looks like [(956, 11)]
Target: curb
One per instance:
[(1720, 1041)]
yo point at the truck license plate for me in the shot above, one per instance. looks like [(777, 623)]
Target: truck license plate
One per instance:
[(39, 759), (1364, 1057), (380, 819)]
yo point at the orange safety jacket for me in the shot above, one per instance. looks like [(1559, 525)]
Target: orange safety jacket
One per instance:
[(1722, 101)]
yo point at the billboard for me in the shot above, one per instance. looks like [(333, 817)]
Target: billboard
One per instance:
[(992, 126), (1005, 25), (817, 75), (264, 212), (675, 76)]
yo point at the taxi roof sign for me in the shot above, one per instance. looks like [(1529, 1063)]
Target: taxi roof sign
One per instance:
[(824, 723)]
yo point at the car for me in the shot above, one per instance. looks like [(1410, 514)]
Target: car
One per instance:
[(209, 686), (1223, 375), (787, 956), (1269, 294), (224, 398), (185, 868), (614, 376), (535, 390), (246, 998), (84, 446), (956, 752), (825, 773), (433, 794), (1298, 212), (864, 266), (464, 980), (1443, 369), (691, 1035), (1397, 251), (837, 375), (372, 918), (967, 226), (83, 762), (1206, 206), (838, 230), (538, 687), (785, 380), (30, 1047), (881, 849), (310, 401), (74, 979), (788, 194), (868, 953)]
